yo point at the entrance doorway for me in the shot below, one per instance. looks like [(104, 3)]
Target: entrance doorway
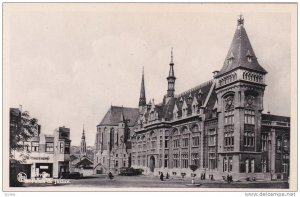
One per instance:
[(152, 164)]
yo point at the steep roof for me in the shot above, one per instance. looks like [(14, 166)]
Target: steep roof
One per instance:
[(239, 51), (200, 92), (114, 114)]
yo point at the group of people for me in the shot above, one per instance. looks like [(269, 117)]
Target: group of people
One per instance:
[(162, 176), (229, 178)]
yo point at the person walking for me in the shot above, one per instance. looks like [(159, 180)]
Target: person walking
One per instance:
[(161, 176)]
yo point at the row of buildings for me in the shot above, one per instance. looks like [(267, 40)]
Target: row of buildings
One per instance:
[(43, 153), (218, 125)]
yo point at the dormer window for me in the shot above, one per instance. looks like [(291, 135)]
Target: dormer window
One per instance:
[(230, 58), (249, 56), (249, 59)]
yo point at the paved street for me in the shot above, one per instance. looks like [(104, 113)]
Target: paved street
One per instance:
[(101, 181)]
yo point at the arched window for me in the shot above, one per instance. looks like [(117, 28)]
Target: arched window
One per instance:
[(252, 165), (247, 165), (225, 167)]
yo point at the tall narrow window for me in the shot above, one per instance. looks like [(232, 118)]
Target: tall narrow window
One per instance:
[(252, 166), (247, 166), (230, 165), (225, 164)]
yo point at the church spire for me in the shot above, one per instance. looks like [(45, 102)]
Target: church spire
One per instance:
[(241, 53), (83, 134), (142, 100), (171, 79), (83, 144)]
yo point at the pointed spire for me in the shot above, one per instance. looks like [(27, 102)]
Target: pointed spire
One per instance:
[(142, 100), (83, 133), (240, 48), (171, 79)]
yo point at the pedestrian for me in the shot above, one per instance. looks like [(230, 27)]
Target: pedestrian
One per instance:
[(228, 178), (167, 175), (110, 175), (161, 176)]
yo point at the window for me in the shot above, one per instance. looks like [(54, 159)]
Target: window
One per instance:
[(116, 155), (185, 161), (285, 145), (176, 160), (249, 139), (230, 165), (49, 147), (34, 146), (285, 167), (212, 137), (249, 58), (61, 147), (264, 165), (195, 159), (124, 163), (176, 143), (166, 161), (67, 148), (249, 116), (229, 117), (166, 141), (264, 140), (279, 145), (212, 161), (196, 141), (247, 165), (27, 147), (252, 165), (116, 163), (185, 142), (225, 164), (229, 139)]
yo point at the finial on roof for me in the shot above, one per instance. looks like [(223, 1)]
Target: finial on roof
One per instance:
[(172, 55), (240, 20)]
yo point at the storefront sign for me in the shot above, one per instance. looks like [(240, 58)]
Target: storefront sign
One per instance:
[(40, 158)]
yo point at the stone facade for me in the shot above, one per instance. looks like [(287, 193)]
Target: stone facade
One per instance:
[(218, 126)]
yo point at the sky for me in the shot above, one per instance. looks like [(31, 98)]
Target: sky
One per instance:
[(68, 64)]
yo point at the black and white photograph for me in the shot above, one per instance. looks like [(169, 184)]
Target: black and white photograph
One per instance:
[(149, 97)]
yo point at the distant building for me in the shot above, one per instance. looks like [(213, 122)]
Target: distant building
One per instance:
[(81, 162), (218, 126)]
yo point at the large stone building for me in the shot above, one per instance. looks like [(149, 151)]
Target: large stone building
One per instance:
[(218, 126)]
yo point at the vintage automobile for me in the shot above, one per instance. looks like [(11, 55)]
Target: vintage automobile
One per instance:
[(75, 175), (125, 171)]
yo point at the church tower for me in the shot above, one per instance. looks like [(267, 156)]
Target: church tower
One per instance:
[(240, 89), (171, 80), (83, 144), (142, 100)]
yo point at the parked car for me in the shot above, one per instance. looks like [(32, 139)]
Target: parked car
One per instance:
[(75, 175), (125, 171)]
